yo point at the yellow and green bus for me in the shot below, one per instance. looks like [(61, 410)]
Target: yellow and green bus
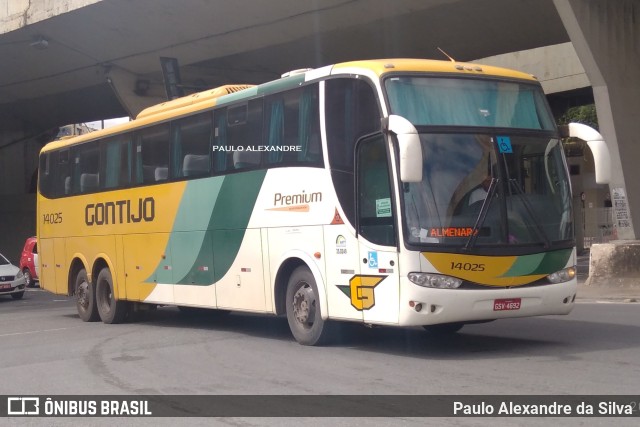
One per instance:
[(398, 192)]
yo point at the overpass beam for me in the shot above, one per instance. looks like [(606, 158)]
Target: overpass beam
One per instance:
[(605, 35)]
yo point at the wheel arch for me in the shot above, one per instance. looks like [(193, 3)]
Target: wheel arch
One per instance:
[(290, 261), (103, 261)]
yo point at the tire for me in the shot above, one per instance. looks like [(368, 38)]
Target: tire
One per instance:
[(85, 293), (443, 329), (303, 309), (110, 309), (17, 295), (28, 279)]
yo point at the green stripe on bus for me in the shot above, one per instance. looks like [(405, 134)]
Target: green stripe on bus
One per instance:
[(217, 211), (543, 263), (524, 265), (553, 261), (281, 85), (243, 94), (231, 215)]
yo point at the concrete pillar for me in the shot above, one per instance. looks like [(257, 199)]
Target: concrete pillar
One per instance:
[(606, 36), (18, 163)]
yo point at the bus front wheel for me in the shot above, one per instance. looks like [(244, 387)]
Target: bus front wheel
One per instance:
[(85, 293), (110, 309), (303, 308)]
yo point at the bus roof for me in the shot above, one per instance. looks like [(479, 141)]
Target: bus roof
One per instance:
[(384, 66), (229, 93)]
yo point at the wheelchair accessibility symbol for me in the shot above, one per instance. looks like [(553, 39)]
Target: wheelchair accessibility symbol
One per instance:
[(504, 144), (373, 259)]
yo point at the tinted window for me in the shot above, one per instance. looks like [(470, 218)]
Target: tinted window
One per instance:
[(292, 128), (62, 172), (152, 154), (86, 168), (351, 112), (117, 162), (376, 222), (190, 146), (238, 136)]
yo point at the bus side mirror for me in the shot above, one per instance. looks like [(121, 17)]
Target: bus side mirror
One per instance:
[(409, 146), (596, 143)]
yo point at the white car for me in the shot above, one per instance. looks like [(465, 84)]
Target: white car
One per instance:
[(11, 279)]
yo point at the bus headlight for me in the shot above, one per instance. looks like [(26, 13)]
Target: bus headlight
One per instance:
[(563, 275), (438, 281)]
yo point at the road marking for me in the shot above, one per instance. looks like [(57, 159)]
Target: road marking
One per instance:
[(32, 332)]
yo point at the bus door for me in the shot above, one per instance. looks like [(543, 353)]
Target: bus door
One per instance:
[(377, 291)]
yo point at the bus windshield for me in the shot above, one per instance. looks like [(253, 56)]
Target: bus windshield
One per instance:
[(481, 190), (449, 101)]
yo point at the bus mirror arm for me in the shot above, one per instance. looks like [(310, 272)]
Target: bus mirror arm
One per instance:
[(409, 147), (599, 148)]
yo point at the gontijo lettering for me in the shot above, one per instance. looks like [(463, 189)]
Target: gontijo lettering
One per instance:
[(120, 212)]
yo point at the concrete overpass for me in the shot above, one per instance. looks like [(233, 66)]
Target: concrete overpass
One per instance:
[(70, 61)]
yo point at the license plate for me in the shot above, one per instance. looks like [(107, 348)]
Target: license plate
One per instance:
[(5, 286), (506, 304)]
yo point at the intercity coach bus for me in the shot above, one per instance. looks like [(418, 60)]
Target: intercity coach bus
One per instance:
[(387, 192)]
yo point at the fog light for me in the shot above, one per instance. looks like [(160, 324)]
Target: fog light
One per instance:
[(418, 307)]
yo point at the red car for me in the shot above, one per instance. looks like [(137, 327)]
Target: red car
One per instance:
[(29, 261)]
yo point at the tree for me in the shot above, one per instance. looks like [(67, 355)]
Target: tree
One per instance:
[(585, 114)]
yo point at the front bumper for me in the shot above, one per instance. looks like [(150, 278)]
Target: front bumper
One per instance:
[(469, 305), (13, 287)]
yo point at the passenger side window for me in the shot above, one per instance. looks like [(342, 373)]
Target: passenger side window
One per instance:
[(292, 128), (190, 146), (152, 154), (237, 128), (351, 111), (117, 162), (86, 168)]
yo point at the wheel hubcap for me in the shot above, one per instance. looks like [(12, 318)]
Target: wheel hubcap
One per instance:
[(83, 295), (304, 304)]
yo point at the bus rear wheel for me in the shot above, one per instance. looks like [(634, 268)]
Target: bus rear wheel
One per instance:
[(303, 308), (85, 293), (110, 309)]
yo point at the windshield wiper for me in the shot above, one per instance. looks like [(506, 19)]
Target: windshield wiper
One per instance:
[(482, 215), (529, 208)]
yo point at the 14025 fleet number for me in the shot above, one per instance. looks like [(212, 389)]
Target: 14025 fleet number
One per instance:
[(52, 218), (467, 266)]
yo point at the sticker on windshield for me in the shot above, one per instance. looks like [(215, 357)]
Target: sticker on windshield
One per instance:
[(383, 207), (504, 144)]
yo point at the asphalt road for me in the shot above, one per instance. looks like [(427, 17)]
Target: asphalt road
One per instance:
[(46, 349)]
